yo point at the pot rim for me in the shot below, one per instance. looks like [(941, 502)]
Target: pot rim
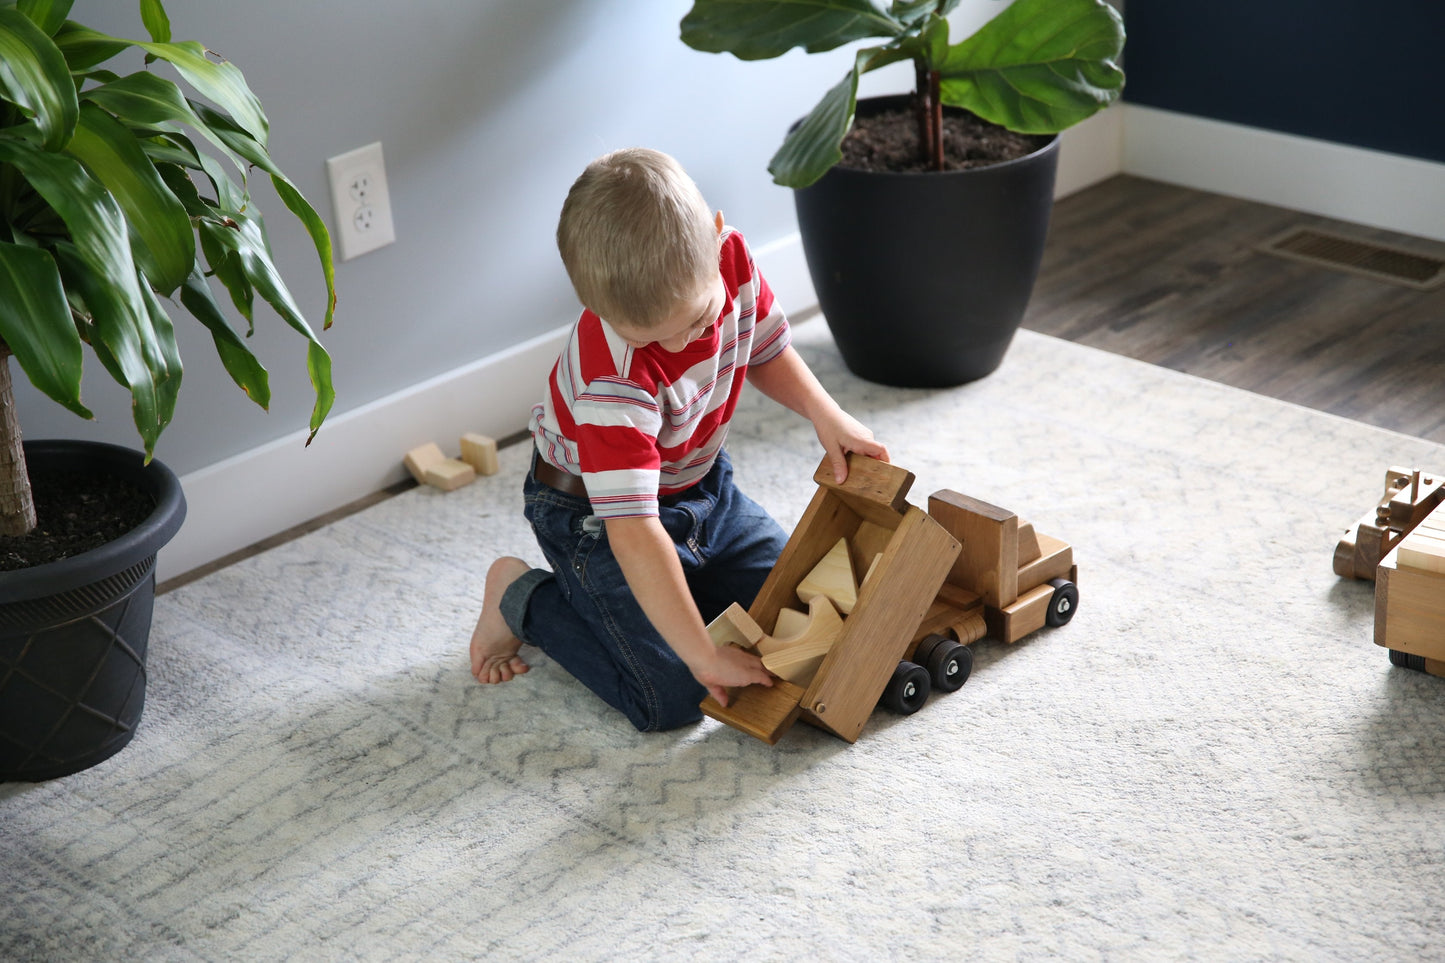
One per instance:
[(103, 561)]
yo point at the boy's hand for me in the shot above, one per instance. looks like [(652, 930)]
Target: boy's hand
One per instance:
[(730, 667), (840, 433)]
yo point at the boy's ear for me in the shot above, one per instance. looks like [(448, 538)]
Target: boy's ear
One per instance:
[(718, 220)]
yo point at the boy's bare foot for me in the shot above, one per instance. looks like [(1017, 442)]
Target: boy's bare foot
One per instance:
[(494, 647)]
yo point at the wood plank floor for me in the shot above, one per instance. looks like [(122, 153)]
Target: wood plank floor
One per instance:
[(1171, 276)]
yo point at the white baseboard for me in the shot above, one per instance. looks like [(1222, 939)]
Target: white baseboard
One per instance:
[(258, 493), (1388, 191)]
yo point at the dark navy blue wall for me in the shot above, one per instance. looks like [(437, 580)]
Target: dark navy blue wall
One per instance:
[(1370, 73)]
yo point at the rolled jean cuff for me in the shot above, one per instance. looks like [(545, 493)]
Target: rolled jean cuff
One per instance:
[(518, 596)]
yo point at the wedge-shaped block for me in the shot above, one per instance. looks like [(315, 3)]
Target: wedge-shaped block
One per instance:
[(833, 579)]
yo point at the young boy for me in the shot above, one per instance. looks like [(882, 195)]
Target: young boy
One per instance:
[(631, 494)]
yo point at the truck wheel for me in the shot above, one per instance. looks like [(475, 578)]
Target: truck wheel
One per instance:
[(907, 690), (1064, 603), (1407, 661), (949, 664)]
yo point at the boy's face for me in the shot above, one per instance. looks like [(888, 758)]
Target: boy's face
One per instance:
[(689, 320)]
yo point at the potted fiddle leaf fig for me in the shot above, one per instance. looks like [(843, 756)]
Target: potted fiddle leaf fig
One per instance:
[(120, 195), (923, 271)]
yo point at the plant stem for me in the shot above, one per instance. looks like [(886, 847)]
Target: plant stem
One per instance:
[(935, 125), (17, 502), (921, 93)]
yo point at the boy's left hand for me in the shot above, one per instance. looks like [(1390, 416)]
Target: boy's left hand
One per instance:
[(840, 433)]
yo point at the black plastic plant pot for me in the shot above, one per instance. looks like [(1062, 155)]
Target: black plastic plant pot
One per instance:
[(73, 633), (924, 278)]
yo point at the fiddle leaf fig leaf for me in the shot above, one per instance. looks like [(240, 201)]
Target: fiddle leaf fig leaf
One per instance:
[(1039, 67), (761, 29)]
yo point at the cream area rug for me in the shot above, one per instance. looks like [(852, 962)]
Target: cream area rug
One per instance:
[(1212, 761)]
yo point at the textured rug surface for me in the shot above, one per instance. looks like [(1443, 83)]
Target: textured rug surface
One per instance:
[(1212, 761)]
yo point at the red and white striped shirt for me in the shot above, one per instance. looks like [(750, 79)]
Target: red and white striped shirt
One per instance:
[(639, 422)]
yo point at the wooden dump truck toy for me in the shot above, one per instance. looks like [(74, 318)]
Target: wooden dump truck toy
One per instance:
[(1401, 546), (931, 584)]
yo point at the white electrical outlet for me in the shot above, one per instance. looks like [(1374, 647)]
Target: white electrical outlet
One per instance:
[(360, 200)]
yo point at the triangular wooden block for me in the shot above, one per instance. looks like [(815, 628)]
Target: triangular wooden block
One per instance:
[(833, 579)]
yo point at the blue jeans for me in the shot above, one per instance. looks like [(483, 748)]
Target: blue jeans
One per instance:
[(584, 615)]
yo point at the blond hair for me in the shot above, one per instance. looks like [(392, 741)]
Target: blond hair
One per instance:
[(636, 237)]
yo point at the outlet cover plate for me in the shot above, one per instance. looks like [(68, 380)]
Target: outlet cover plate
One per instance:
[(360, 201)]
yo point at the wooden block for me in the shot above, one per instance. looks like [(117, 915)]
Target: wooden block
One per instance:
[(832, 578), (854, 673), (988, 562), (868, 542), (1025, 615), (480, 452), (797, 657), (735, 627), (1422, 551), (449, 475), (1028, 543), (825, 521), (422, 457), (790, 622), (764, 712)]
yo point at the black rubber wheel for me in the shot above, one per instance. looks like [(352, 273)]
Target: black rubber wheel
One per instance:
[(926, 647), (1064, 603), (907, 690), (1407, 661), (949, 664)]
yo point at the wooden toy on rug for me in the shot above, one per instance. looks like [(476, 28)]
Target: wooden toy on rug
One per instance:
[(429, 466), (1401, 546), (934, 582), (1410, 495), (480, 452)]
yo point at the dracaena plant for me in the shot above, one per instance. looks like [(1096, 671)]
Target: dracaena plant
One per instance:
[(119, 196), (1038, 67)]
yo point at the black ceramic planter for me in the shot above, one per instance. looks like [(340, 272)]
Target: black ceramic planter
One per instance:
[(924, 278), (73, 633)]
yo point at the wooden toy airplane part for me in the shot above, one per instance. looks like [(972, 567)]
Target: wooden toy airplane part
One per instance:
[(1401, 546), (935, 582), (430, 466)]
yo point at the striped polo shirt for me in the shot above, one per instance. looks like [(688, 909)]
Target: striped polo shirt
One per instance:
[(637, 423)]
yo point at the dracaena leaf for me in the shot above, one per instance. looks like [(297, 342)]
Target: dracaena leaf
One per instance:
[(165, 245), (48, 15), (243, 367), (247, 246), (34, 75), (35, 322)]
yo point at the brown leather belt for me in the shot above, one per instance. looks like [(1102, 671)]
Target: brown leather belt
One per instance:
[(554, 477)]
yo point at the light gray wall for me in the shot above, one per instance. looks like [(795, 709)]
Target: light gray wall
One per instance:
[(487, 111)]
